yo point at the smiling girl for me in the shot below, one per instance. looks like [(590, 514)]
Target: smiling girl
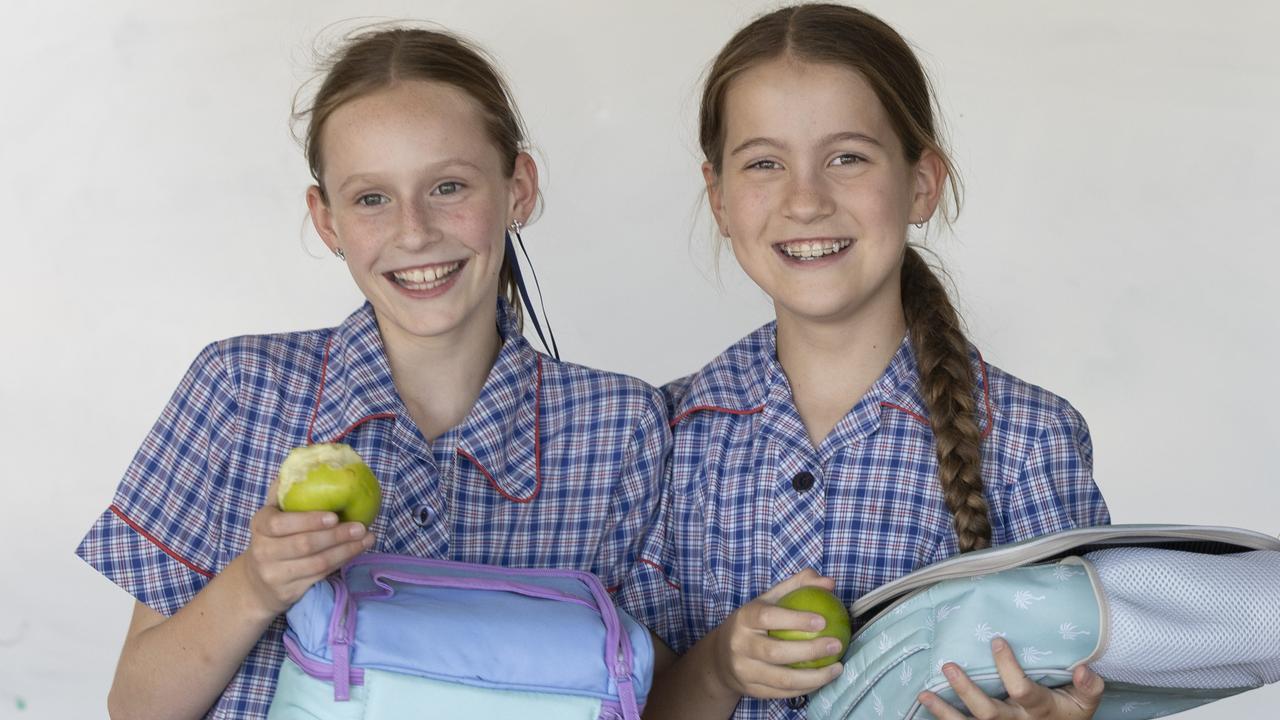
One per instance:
[(859, 436), (488, 451)]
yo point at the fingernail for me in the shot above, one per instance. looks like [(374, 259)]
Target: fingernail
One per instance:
[(329, 519), (832, 647), (357, 530), (998, 643), (368, 540), (951, 671), (836, 670)]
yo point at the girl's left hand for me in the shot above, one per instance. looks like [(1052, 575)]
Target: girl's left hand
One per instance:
[(1027, 699)]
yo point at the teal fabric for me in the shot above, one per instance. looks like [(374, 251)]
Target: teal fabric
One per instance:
[(902, 652), (1054, 616), (394, 696)]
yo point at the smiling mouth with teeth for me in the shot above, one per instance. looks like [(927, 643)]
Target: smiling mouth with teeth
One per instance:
[(807, 250), (425, 278)]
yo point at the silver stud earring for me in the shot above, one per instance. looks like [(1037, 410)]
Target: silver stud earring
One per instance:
[(920, 225), (337, 252), (515, 226)]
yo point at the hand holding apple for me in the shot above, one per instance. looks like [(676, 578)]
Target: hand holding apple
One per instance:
[(821, 601), (329, 477)]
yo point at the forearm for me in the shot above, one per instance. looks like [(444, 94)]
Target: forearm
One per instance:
[(691, 687), (179, 666)]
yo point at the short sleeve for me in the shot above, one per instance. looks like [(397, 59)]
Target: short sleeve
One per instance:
[(1054, 489), (634, 502), (650, 592), (159, 538)]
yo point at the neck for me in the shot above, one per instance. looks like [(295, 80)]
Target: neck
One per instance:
[(831, 364), (440, 378)]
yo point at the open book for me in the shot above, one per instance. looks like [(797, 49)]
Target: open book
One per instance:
[(1048, 548)]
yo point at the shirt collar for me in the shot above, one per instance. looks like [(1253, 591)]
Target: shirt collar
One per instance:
[(737, 381), (747, 378), (499, 435)]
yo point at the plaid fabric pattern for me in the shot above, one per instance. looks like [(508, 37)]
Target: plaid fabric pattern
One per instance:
[(739, 516), (556, 465)]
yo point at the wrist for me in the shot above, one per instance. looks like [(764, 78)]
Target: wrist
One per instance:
[(256, 604), (719, 680)]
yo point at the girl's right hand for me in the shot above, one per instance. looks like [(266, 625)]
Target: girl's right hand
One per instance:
[(290, 551), (751, 662)]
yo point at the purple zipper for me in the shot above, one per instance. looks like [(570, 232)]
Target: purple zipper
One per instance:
[(317, 669)]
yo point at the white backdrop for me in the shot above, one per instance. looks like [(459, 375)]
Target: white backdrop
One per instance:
[(1118, 245)]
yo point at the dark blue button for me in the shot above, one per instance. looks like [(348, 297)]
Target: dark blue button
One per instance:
[(802, 481), (425, 515)]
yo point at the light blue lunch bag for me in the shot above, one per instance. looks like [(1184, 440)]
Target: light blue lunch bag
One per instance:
[(1171, 616), (391, 636)]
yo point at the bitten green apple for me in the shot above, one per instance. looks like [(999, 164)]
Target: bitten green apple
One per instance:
[(329, 477), (821, 601)]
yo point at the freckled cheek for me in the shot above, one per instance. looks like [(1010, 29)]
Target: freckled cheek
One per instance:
[(748, 210), (357, 231), (478, 229)]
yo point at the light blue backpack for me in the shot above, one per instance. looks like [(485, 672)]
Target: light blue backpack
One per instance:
[(1171, 616), (392, 637)]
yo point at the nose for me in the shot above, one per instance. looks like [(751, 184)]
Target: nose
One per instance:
[(808, 199), (417, 228)]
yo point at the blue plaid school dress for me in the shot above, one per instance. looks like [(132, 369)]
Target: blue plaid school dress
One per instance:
[(748, 500), (557, 465)]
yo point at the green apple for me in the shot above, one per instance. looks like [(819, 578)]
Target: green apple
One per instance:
[(329, 477), (821, 601)]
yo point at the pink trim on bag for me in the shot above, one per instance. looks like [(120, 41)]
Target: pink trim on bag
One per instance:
[(618, 655), (317, 669), (464, 583)]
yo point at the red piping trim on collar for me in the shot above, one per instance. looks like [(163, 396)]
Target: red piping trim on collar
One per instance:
[(315, 412), (716, 408), (537, 448), (986, 399), (152, 539), (661, 572), (324, 372)]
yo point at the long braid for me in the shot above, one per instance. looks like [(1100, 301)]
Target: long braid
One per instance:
[(947, 386)]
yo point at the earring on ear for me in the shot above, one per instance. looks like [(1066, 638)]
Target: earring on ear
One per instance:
[(515, 226), (920, 225), (337, 252)]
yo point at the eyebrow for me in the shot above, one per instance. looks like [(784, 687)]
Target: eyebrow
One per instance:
[(442, 165), (833, 138)]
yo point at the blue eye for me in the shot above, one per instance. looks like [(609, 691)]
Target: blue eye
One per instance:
[(372, 200), (848, 159), (447, 188)]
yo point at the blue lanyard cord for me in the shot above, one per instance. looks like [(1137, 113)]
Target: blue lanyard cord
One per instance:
[(524, 294)]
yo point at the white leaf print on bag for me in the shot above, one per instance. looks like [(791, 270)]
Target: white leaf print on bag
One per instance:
[(1063, 573), (984, 633), (1023, 599), (1069, 631), (1131, 706), (1032, 655), (944, 610)]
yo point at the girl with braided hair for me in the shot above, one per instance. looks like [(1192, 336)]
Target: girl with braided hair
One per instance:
[(859, 436)]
